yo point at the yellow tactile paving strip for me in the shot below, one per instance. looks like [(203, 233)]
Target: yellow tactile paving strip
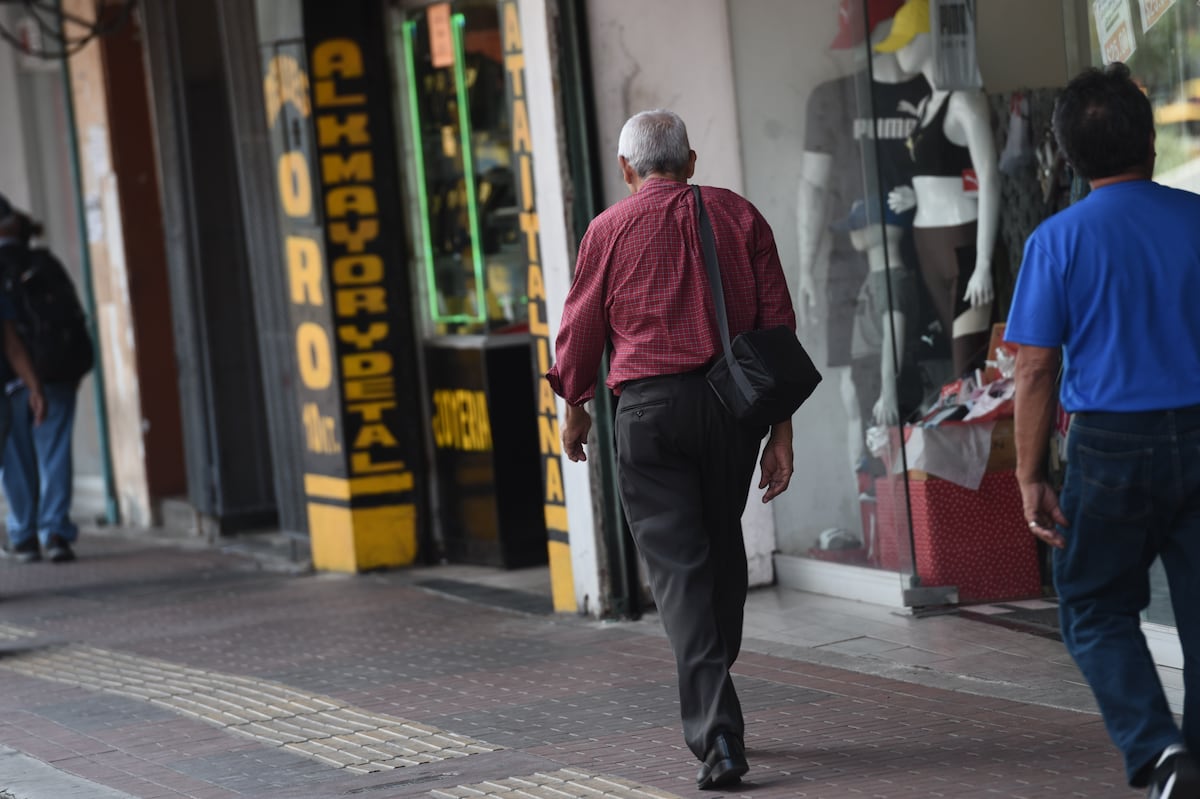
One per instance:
[(561, 784), (311, 725), (315, 726), (10, 633)]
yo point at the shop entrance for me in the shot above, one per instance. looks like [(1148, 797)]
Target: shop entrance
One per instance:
[(471, 259)]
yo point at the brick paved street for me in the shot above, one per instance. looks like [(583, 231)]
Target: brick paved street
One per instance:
[(169, 671)]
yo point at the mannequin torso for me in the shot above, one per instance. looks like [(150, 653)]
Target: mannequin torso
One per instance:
[(944, 199)]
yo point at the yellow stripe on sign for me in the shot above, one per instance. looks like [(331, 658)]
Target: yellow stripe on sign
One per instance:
[(556, 518), (356, 539), (324, 487), (562, 580)]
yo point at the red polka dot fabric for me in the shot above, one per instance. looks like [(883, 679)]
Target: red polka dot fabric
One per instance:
[(977, 541)]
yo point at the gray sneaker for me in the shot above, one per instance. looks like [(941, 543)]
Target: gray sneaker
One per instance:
[(24, 552), (58, 550)]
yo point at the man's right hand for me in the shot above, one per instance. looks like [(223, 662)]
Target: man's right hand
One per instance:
[(575, 432), (777, 461), (37, 405), (1042, 512)]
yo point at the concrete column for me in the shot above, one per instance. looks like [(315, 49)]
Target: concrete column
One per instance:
[(125, 245), (328, 111), (574, 560)]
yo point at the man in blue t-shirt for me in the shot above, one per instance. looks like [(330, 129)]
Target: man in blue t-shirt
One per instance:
[(1112, 285)]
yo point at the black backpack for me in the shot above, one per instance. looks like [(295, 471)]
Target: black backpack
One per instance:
[(50, 320)]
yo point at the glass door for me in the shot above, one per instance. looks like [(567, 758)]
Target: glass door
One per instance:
[(464, 215)]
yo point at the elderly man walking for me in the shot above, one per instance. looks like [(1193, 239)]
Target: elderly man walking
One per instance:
[(684, 463)]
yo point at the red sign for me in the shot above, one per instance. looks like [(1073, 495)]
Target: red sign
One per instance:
[(441, 39)]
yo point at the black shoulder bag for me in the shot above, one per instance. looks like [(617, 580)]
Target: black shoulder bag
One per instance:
[(765, 375)]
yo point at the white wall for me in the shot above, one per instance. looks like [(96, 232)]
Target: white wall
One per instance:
[(671, 54), (14, 171), (557, 260)]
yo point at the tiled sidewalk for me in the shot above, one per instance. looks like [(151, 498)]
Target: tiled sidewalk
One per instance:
[(166, 672)]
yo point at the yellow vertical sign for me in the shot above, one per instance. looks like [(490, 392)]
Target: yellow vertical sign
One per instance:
[(555, 499), (359, 489)]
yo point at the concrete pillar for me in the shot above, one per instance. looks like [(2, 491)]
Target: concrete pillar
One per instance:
[(125, 245), (328, 109)]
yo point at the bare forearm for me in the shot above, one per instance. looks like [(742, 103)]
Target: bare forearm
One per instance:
[(1033, 401), (18, 358)]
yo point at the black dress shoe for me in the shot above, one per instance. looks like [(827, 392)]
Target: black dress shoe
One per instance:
[(724, 764)]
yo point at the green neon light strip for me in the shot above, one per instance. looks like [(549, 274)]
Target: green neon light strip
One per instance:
[(414, 114), (464, 128)]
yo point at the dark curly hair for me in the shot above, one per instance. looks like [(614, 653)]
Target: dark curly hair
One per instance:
[(1104, 123)]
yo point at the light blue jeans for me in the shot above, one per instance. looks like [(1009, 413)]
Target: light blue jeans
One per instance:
[(1132, 494), (38, 473)]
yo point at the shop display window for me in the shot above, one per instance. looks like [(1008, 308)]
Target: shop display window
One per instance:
[(464, 219), (879, 170), (1160, 42), (849, 260)]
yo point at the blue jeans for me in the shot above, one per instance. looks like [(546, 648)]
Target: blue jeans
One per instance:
[(38, 475), (5, 424), (1132, 493)]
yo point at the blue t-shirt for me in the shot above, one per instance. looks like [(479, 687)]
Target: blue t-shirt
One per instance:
[(1115, 281)]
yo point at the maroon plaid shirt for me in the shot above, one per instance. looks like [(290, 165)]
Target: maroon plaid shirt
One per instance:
[(640, 281)]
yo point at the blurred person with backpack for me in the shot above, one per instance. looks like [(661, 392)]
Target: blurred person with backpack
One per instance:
[(38, 475)]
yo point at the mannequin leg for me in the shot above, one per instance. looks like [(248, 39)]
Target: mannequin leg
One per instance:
[(846, 273), (940, 252), (854, 422), (939, 280), (972, 331), (972, 324)]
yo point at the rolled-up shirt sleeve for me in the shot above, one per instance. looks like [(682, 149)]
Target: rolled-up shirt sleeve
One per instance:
[(584, 328)]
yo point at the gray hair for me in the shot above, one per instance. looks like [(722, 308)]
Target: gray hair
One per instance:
[(655, 141)]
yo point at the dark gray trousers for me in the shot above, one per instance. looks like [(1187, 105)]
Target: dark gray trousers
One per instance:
[(684, 468)]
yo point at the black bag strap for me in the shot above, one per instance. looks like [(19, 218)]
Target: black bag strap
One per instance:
[(709, 246)]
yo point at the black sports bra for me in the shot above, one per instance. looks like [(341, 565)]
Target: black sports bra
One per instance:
[(935, 155)]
